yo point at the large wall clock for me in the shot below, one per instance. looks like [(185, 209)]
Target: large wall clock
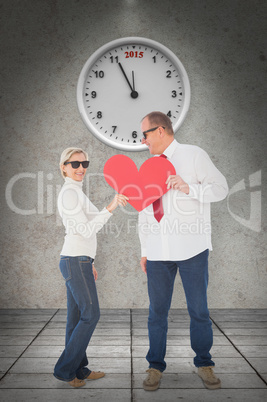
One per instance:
[(124, 80)]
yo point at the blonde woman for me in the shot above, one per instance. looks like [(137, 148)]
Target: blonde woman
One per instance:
[(82, 221)]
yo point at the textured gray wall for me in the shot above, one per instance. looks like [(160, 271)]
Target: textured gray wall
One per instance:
[(44, 45)]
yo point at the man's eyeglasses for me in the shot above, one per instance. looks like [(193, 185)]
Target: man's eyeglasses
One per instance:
[(76, 164), (151, 129)]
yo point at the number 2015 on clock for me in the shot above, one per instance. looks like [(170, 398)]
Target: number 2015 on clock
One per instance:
[(132, 54)]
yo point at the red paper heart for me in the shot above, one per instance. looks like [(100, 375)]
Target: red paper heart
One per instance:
[(143, 187)]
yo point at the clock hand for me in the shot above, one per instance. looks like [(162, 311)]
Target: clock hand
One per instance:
[(134, 94), (125, 76), (133, 80)]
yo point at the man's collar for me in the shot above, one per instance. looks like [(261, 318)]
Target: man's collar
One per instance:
[(169, 151)]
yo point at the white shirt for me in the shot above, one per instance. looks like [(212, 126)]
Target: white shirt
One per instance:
[(82, 220), (185, 229)]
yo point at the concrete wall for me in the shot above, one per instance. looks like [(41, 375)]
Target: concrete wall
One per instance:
[(44, 45)]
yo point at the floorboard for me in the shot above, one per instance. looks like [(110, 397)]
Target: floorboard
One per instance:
[(31, 340)]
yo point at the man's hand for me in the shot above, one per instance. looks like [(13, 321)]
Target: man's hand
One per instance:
[(143, 264), (95, 273), (177, 183)]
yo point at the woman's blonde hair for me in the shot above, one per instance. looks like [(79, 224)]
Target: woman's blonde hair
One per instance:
[(66, 155)]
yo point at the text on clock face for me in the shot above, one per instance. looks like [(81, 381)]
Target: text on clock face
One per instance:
[(133, 54)]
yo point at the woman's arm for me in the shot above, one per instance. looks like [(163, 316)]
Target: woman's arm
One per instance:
[(73, 215)]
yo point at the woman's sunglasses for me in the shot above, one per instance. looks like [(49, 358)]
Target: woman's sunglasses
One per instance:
[(76, 164)]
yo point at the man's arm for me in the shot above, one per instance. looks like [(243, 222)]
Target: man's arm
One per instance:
[(211, 186)]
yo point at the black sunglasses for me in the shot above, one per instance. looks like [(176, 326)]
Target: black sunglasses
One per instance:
[(151, 129), (76, 164)]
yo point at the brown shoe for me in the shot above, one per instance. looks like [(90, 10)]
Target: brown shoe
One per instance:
[(77, 383), (95, 375), (209, 378), (151, 383)]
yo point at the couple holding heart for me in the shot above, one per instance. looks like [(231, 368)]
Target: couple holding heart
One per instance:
[(172, 194)]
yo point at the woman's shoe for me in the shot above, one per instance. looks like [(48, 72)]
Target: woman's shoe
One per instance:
[(77, 383), (95, 375)]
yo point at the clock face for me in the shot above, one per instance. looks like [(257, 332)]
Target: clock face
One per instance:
[(122, 82)]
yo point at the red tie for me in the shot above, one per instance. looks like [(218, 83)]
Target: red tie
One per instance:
[(157, 205)]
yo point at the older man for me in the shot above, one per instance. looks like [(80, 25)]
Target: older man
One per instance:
[(175, 233)]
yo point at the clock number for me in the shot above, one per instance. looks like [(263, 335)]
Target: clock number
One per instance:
[(169, 114), (134, 134), (116, 58), (99, 115), (169, 73), (174, 94), (154, 58), (93, 94), (114, 128), (99, 74)]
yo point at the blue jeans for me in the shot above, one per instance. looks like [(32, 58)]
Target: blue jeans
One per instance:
[(82, 316), (160, 280)]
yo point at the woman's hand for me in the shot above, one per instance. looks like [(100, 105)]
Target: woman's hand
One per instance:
[(95, 273), (119, 199)]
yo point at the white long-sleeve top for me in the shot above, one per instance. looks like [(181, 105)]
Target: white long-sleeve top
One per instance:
[(82, 220), (185, 229)]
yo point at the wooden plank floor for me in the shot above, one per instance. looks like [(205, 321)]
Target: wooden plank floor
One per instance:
[(32, 340)]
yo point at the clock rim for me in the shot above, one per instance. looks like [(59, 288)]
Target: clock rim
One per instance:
[(120, 42)]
